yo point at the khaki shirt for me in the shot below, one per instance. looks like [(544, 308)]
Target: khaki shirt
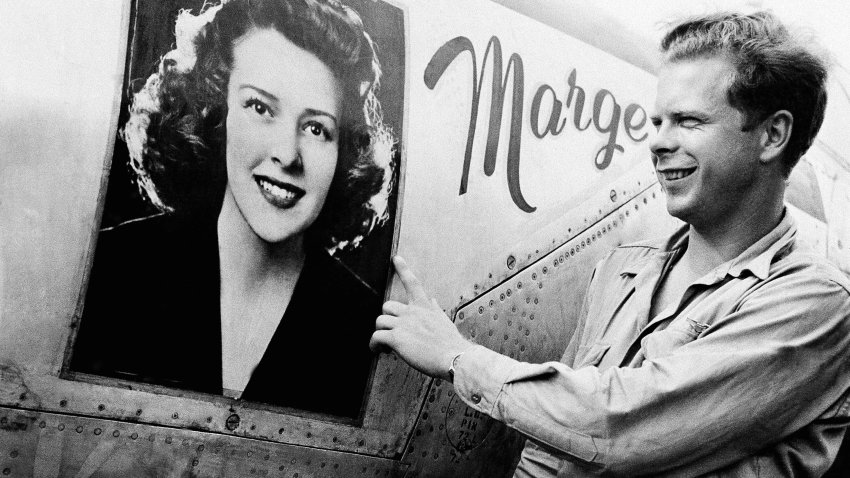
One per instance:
[(748, 375)]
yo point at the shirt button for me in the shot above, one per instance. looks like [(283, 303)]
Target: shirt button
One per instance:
[(475, 398)]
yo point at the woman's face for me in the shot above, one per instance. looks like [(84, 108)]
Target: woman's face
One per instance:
[(283, 119)]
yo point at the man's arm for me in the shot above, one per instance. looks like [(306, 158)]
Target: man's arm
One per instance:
[(758, 375)]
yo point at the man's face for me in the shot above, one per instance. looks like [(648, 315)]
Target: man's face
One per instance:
[(706, 164)]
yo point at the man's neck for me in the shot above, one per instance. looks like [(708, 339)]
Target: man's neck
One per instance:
[(711, 245)]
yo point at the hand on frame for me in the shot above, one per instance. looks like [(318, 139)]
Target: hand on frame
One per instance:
[(419, 331)]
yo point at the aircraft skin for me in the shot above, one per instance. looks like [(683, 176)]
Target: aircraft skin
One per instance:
[(504, 238)]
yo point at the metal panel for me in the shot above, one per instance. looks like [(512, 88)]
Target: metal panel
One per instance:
[(49, 445), (530, 317)]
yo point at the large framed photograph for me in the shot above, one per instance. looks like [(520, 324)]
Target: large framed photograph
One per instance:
[(243, 249)]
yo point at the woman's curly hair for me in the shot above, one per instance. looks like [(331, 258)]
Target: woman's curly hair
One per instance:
[(176, 133)]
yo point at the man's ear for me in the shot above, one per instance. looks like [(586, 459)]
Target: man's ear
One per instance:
[(776, 133)]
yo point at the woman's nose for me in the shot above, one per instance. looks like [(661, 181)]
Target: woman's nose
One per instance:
[(286, 150)]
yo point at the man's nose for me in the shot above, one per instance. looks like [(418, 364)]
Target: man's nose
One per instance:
[(663, 141)]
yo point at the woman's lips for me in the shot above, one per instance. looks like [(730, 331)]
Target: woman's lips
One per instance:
[(277, 193)]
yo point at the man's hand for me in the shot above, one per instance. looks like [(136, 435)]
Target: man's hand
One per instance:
[(419, 332)]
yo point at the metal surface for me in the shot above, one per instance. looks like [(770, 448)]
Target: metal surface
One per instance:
[(512, 280)]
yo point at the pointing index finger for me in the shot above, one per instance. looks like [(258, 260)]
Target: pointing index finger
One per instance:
[(415, 290)]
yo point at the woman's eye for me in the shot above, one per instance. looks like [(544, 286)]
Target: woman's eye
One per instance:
[(258, 106), (318, 130)]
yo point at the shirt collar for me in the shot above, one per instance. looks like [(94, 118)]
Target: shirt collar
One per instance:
[(756, 259)]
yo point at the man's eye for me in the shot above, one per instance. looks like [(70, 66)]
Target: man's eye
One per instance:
[(689, 122)]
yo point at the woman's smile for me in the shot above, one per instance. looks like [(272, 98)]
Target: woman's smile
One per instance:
[(277, 193)]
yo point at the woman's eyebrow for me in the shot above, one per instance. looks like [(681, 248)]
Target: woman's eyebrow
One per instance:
[(258, 90), (315, 112)]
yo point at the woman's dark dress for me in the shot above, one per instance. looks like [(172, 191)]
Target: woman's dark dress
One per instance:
[(152, 315)]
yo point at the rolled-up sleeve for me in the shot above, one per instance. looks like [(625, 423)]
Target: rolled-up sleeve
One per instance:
[(774, 365)]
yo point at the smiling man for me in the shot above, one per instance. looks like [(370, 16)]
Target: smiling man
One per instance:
[(719, 351)]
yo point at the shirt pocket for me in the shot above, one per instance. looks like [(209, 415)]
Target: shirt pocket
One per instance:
[(591, 356), (664, 342)]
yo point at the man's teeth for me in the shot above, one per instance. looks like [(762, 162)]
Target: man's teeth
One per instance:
[(677, 174), (277, 190)]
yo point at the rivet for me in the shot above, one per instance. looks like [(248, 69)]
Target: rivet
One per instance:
[(472, 332), (481, 309), (79, 429), (495, 316), (531, 316), (508, 292), (475, 287), (168, 440), (613, 195), (175, 415), (63, 403), (513, 308), (6, 471), (195, 462), (14, 454), (460, 315), (510, 323), (534, 276), (42, 424), (309, 435), (253, 427), (97, 431), (101, 407), (280, 432), (545, 270), (502, 297), (511, 262), (653, 195), (519, 285), (232, 422), (644, 200), (139, 412), (527, 332), (116, 433), (134, 436), (540, 285), (490, 333), (506, 336), (61, 427), (492, 302), (536, 300), (572, 251)]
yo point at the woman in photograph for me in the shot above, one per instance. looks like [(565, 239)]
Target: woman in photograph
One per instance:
[(260, 138)]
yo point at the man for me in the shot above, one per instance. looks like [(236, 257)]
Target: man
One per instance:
[(722, 350)]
